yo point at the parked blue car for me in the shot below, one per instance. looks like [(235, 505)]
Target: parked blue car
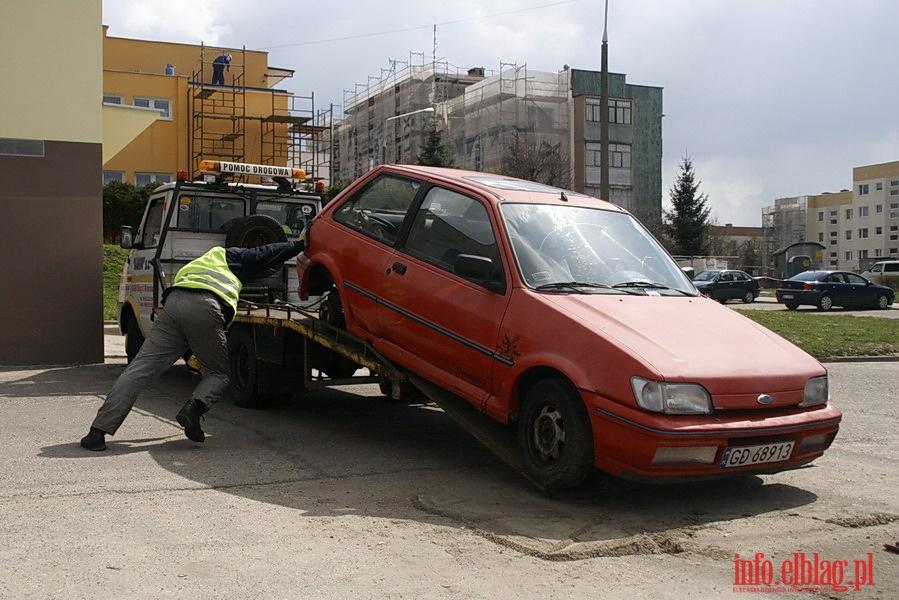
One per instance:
[(826, 289)]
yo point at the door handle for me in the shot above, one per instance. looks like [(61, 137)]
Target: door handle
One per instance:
[(398, 267)]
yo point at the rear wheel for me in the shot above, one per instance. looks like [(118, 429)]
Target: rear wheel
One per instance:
[(244, 366), (825, 302), (791, 306), (554, 435), (331, 311), (748, 297)]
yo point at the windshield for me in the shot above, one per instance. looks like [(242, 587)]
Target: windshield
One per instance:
[(559, 245)]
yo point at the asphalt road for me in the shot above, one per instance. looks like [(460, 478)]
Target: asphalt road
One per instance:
[(344, 494)]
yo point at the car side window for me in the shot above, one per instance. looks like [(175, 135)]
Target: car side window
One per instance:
[(727, 277), (449, 224), (379, 209), (855, 279)]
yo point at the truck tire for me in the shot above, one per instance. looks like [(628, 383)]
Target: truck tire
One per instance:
[(554, 435), (255, 230), (244, 367), (134, 339)]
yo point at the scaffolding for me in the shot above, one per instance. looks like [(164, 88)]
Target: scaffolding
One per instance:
[(218, 110), (232, 121)]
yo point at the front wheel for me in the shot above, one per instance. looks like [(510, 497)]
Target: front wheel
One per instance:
[(748, 297), (134, 339), (554, 435), (883, 302)]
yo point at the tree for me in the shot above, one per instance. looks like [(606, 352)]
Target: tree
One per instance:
[(542, 162), (123, 204), (435, 153), (687, 223)]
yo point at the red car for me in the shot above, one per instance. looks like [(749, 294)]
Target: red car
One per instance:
[(560, 315)]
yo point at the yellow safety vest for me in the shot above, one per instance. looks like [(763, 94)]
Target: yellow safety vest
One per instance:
[(211, 272)]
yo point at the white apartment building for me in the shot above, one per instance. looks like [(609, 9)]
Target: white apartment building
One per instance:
[(857, 227)]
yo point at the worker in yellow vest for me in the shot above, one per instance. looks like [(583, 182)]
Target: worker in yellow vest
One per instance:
[(199, 307)]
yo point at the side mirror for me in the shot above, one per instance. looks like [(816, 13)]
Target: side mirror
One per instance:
[(478, 269), (127, 238), (689, 271)]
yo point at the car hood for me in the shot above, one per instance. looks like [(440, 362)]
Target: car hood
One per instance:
[(692, 339)]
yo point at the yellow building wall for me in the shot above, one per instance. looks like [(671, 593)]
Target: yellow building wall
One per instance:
[(138, 68), (57, 50)]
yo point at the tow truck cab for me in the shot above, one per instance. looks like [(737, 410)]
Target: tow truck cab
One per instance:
[(184, 219)]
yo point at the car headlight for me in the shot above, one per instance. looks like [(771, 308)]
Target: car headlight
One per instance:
[(671, 398), (817, 391)]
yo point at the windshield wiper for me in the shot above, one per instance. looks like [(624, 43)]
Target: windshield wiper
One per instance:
[(567, 285), (642, 283), (645, 283)]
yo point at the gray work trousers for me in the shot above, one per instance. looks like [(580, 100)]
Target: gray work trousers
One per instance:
[(191, 320)]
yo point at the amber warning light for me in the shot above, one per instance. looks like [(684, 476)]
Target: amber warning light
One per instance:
[(221, 166)]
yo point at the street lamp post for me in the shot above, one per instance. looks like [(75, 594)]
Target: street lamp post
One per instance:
[(604, 111)]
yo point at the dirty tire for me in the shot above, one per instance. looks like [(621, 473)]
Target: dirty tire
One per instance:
[(244, 368), (134, 339), (554, 435), (255, 230), (331, 312)]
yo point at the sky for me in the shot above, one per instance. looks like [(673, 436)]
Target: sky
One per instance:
[(768, 98)]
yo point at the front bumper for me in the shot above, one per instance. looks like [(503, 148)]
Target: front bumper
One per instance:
[(635, 444)]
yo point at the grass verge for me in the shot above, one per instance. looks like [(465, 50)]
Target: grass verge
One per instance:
[(114, 259), (832, 336)]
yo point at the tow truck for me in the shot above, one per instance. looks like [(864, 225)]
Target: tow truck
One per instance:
[(277, 344)]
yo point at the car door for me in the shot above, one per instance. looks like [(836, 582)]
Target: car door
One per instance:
[(367, 227), (444, 322), (725, 285), (859, 293)]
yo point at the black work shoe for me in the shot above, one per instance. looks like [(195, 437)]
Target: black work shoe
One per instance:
[(189, 418), (94, 440)]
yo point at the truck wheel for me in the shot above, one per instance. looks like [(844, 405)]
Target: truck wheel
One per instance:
[(134, 339), (554, 435), (255, 230), (331, 312), (244, 367)]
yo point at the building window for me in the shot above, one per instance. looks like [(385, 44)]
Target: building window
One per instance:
[(833, 221), (863, 233), (833, 234), (894, 192), (863, 254), (593, 111), (848, 214), (110, 176), (620, 112), (849, 255), (848, 234), (163, 105), (619, 156), (862, 211), (894, 182), (833, 255), (112, 99), (16, 147), (878, 209), (878, 253), (142, 179), (863, 189), (878, 231), (593, 155), (833, 213), (821, 236), (821, 216)]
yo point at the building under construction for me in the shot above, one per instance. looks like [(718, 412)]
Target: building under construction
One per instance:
[(540, 125)]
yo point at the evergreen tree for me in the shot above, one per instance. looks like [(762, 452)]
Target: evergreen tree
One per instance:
[(435, 153), (687, 223)]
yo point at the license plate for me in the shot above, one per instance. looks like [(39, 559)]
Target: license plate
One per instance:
[(788, 296), (741, 456)]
